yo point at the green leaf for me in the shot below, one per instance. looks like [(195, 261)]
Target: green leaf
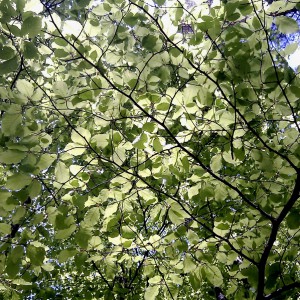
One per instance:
[(92, 217), (61, 172), (8, 66), (157, 145), (95, 243), (12, 268), (178, 14), (12, 156), (5, 228), (25, 87), (216, 163), (175, 218), (252, 274), (176, 214), (31, 26), (291, 48), (188, 264), (186, 164), (21, 281), (111, 269), (11, 120), (101, 140), (131, 19), (18, 181), (60, 88), (214, 275), (149, 126), (61, 53), (163, 106), (34, 188), (233, 17), (128, 232), (35, 254), (64, 255), (48, 267), (176, 279), (75, 149), (194, 279), (149, 42), (160, 2), (82, 238), (141, 141), (80, 136), (17, 253), (65, 233), (155, 279), (293, 219), (45, 161), (72, 27), (110, 210), (102, 9), (286, 25), (151, 292), (6, 53), (30, 50), (18, 215), (83, 3)]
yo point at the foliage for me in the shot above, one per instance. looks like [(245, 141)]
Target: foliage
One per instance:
[(142, 161)]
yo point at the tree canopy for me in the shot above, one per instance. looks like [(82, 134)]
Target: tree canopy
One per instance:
[(148, 151)]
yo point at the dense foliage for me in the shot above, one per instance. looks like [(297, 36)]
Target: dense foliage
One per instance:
[(148, 151)]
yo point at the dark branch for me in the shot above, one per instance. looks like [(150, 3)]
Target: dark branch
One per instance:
[(272, 238), (18, 74), (101, 275), (294, 285)]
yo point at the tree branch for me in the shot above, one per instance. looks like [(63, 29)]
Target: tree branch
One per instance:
[(272, 238), (283, 13), (282, 290), (18, 74), (101, 275)]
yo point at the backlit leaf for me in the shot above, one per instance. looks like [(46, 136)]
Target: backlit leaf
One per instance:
[(216, 163), (61, 172), (25, 87), (214, 275), (141, 141), (80, 136), (151, 292), (286, 25)]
